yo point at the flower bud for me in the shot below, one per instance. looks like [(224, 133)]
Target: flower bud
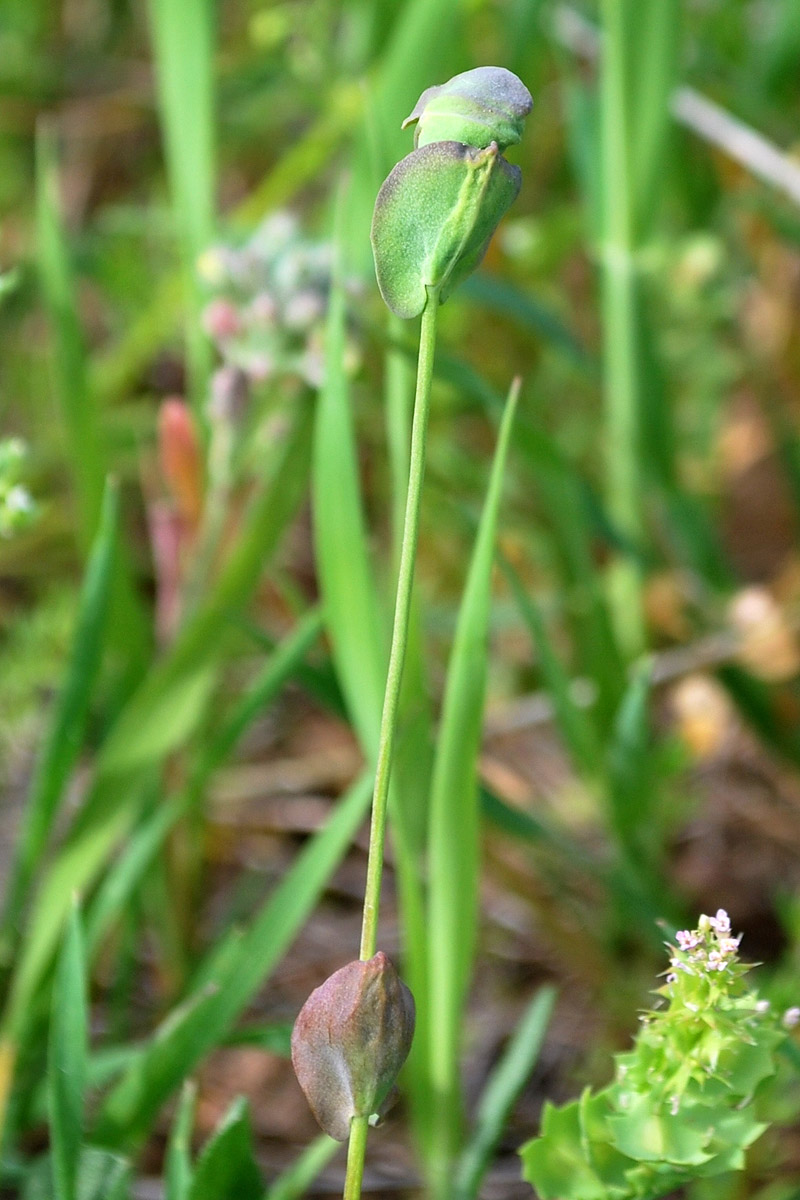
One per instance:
[(181, 459), (350, 1040), (476, 108), (434, 217)]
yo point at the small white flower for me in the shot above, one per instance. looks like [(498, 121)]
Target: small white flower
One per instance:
[(721, 923), (19, 500), (303, 309), (762, 1006), (791, 1017)]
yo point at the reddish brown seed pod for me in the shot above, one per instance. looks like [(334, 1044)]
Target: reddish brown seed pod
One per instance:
[(350, 1040)]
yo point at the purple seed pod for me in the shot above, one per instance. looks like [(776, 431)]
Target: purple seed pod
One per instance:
[(350, 1040)]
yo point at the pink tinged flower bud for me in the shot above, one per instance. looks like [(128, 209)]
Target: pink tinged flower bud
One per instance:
[(181, 459), (350, 1040), (222, 320)]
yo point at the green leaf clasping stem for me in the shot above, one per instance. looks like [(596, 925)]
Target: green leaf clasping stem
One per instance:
[(439, 207)]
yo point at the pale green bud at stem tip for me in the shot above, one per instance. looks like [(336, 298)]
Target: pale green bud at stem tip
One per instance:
[(350, 1040), (436, 212), (488, 104)]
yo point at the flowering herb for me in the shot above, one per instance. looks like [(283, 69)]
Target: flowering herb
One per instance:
[(684, 1102), (267, 313)]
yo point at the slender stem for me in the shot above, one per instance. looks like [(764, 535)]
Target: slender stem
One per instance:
[(405, 580), (623, 383), (356, 1150)]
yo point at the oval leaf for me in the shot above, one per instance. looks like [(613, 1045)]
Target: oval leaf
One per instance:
[(434, 216)]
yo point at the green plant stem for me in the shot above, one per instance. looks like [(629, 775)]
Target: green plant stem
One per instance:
[(356, 1150), (622, 377), (405, 580)]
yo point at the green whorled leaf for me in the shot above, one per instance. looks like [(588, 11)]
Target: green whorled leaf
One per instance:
[(488, 104), (556, 1161), (434, 217)]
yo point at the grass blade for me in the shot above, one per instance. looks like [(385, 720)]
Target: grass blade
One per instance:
[(502, 1089), (280, 666), (79, 412), (120, 883), (75, 869), (454, 827), (576, 727), (183, 40), (68, 722), (107, 817), (67, 1059), (631, 788), (348, 586), (178, 1167), (226, 1166), (295, 1182), (505, 299)]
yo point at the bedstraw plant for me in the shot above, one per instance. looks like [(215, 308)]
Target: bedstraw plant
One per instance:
[(686, 1102)]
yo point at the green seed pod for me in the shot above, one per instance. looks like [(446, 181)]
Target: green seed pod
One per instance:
[(476, 108), (350, 1040), (434, 216)]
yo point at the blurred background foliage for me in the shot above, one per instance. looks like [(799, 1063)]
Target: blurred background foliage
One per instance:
[(191, 655)]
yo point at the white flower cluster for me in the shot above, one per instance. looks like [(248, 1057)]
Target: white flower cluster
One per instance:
[(710, 947), (270, 300)]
